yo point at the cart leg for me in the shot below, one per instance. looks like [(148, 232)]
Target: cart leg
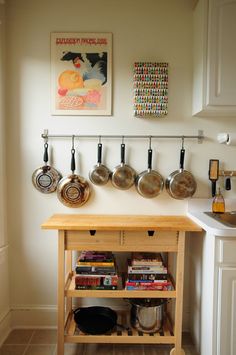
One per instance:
[(60, 293), (179, 295), (68, 272)]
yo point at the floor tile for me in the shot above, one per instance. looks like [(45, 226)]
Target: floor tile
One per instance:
[(124, 349), (12, 349), (44, 336), (40, 350), (74, 349), (19, 336)]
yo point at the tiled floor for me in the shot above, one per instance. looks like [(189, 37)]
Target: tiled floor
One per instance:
[(43, 342)]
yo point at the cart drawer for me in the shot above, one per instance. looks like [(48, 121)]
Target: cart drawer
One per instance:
[(166, 241), (92, 240)]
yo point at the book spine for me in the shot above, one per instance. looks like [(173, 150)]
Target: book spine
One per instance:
[(146, 270), (95, 263), (105, 281), (98, 287), (147, 277), (149, 288), (95, 270), (145, 284)]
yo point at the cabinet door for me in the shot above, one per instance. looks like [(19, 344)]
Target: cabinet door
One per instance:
[(226, 311), (222, 53)]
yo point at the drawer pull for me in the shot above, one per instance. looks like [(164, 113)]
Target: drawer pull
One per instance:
[(92, 232), (151, 233)]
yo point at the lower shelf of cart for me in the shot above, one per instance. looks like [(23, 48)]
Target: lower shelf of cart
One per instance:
[(130, 335)]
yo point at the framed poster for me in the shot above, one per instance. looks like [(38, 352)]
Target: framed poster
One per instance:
[(81, 73)]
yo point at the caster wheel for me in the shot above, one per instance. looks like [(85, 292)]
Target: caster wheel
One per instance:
[(173, 352)]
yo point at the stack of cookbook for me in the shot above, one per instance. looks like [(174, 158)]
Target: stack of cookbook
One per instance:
[(146, 271), (96, 271)]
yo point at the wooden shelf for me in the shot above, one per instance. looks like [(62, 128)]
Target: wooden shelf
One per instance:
[(130, 336), (70, 291)]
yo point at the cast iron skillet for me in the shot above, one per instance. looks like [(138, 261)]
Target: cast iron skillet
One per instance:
[(181, 183), (100, 174), (123, 176), (95, 319), (149, 183), (73, 190), (46, 178)]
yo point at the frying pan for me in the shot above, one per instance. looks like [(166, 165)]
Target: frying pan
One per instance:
[(181, 184), (73, 190), (123, 176), (46, 178), (149, 183), (95, 319), (100, 174)]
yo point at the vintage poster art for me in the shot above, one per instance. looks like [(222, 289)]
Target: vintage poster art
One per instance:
[(81, 73)]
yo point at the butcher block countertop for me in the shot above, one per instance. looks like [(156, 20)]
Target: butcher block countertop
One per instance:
[(120, 222)]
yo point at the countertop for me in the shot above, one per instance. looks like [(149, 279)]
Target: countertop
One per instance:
[(120, 222), (196, 209)]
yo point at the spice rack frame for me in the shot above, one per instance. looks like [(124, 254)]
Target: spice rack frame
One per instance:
[(120, 234)]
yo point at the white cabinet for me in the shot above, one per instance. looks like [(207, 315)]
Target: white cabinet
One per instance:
[(226, 297), (213, 275), (226, 311), (214, 70)]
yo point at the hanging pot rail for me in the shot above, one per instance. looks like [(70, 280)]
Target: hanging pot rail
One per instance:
[(199, 136)]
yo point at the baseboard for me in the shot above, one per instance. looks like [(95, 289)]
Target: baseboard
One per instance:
[(5, 326), (33, 316)]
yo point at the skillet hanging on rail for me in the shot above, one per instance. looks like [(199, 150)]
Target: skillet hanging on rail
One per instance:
[(123, 176), (73, 190), (181, 184), (100, 174), (46, 178), (149, 183)]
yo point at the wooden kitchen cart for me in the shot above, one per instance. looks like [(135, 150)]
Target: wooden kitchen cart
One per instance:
[(118, 233)]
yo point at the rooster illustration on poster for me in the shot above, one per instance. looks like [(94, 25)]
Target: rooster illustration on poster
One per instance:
[(81, 74)]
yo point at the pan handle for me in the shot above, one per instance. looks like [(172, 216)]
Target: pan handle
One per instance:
[(150, 159), (182, 154), (72, 164), (99, 153), (45, 154), (122, 153)]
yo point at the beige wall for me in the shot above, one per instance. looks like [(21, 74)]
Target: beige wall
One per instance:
[(153, 30), (4, 259)]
